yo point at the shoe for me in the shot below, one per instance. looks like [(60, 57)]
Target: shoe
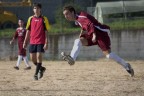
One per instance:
[(27, 68), (130, 71), (41, 72), (15, 67), (68, 58), (35, 77)]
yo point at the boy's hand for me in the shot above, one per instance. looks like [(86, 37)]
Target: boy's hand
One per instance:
[(24, 45), (94, 38), (11, 42), (81, 33), (45, 47)]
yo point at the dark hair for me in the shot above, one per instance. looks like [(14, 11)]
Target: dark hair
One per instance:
[(21, 19), (70, 8), (37, 5)]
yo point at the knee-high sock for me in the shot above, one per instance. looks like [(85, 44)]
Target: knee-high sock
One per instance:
[(38, 68), (19, 60), (26, 61), (35, 63), (76, 49), (118, 59)]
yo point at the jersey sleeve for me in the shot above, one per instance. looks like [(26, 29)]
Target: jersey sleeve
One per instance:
[(28, 23), (89, 27), (46, 22)]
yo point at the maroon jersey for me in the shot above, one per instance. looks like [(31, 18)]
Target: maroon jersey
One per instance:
[(90, 24), (20, 35)]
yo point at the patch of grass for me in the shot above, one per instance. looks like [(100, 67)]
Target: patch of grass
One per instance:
[(7, 33), (119, 25), (4, 33), (127, 24), (64, 30)]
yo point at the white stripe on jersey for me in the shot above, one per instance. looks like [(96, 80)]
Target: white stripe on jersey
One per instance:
[(77, 23), (104, 30)]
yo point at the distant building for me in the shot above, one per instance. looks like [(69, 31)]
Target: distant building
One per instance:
[(102, 10)]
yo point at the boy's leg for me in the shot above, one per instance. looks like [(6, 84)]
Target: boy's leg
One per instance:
[(122, 62), (75, 51), (40, 69), (39, 62), (34, 60), (104, 43), (37, 57), (18, 62), (27, 63)]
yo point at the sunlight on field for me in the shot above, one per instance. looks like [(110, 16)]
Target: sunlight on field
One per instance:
[(85, 78)]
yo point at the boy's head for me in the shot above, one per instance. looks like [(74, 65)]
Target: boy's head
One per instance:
[(21, 22), (37, 8), (69, 13)]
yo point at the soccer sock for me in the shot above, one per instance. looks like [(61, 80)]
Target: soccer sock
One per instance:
[(38, 68), (118, 60), (26, 61), (35, 64), (19, 60), (76, 49)]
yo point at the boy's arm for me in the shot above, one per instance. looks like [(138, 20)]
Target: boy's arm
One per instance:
[(14, 37), (27, 36), (47, 27), (26, 39), (46, 40), (12, 40)]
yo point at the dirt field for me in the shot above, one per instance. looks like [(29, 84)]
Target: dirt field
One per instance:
[(92, 78)]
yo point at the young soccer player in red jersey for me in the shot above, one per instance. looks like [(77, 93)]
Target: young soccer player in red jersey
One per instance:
[(92, 33), (37, 29), (20, 35)]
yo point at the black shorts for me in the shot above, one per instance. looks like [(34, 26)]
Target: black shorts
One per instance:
[(34, 48)]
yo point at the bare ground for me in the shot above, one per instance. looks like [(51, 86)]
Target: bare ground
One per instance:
[(85, 78)]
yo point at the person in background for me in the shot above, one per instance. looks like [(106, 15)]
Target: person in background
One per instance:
[(20, 35)]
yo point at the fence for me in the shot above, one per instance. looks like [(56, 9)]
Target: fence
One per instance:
[(127, 33)]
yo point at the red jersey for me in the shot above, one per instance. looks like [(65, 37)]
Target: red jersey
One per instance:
[(37, 28), (20, 34), (90, 24)]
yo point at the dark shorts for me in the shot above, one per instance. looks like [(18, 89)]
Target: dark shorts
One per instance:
[(34, 48), (22, 51), (103, 40)]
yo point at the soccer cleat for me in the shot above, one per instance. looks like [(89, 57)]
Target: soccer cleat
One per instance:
[(67, 58), (41, 72), (15, 67), (27, 68), (130, 71), (35, 77)]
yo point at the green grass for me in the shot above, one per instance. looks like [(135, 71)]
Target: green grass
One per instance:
[(7, 33), (63, 30), (127, 24), (4, 33), (119, 25)]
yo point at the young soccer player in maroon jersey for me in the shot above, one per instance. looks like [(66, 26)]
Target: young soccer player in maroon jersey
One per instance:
[(37, 29), (20, 35), (92, 33)]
